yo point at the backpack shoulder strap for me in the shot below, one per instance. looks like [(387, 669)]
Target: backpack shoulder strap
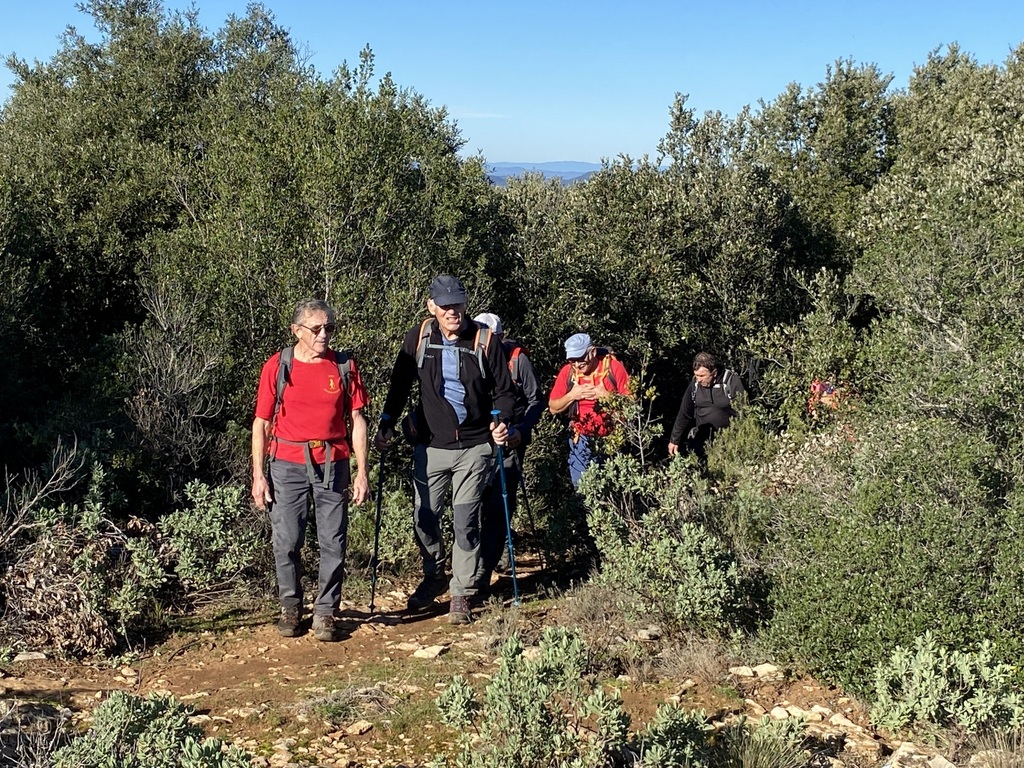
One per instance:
[(480, 342), (344, 360), (421, 346), (727, 384), (513, 361), (284, 369), (609, 373)]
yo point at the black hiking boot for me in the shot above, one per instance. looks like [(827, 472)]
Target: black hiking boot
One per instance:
[(432, 586)]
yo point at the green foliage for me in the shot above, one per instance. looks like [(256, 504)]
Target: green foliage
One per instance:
[(540, 710), (766, 744), (664, 564), (398, 552), (218, 540), (80, 583), (131, 732), (890, 528), (933, 685)]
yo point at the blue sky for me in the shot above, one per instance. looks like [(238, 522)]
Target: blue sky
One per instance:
[(538, 81)]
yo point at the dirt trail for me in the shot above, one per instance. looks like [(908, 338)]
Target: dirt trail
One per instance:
[(248, 684)]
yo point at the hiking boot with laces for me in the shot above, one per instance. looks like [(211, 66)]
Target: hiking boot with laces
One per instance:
[(502, 566), (325, 628), (460, 611), (288, 624), (423, 596)]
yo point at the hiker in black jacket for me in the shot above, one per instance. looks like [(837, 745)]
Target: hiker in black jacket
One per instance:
[(463, 374), (706, 408)]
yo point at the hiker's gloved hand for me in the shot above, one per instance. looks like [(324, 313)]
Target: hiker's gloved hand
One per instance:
[(515, 438)]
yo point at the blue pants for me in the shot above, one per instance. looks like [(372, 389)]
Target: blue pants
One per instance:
[(579, 457), (289, 483)]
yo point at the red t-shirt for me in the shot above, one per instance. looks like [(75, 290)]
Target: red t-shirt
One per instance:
[(591, 421), (315, 406)]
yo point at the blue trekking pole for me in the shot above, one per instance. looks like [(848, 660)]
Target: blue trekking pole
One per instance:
[(376, 526), (508, 518)]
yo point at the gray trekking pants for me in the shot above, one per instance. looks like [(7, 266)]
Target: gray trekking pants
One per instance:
[(291, 488), (466, 470), (493, 526)]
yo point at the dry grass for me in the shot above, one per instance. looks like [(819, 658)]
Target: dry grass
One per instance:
[(997, 749), (341, 706)]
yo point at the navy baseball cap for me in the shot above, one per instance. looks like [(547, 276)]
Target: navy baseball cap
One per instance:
[(446, 290)]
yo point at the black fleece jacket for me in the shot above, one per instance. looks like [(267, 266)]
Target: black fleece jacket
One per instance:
[(483, 392), (707, 405)]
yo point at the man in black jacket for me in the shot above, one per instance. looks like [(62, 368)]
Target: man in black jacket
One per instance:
[(463, 374), (707, 406)]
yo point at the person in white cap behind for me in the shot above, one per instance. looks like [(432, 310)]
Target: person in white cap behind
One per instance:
[(590, 375), (527, 412)]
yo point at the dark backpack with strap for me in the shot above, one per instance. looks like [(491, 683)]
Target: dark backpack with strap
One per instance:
[(727, 386), (284, 370), (479, 350), (513, 350)]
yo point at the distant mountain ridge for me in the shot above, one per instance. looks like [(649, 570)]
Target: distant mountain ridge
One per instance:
[(569, 171)]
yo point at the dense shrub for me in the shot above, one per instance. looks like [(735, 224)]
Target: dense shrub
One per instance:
[(80, 583), (933, 685), (131, 732), (655, 551), (218, 540), (540, 709), (887, 527)]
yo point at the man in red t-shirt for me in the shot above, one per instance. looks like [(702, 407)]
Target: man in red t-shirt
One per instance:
[(590, 375), (305, 431)]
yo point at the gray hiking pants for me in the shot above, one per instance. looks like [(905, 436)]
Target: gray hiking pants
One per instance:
[(466, 471), (493, 526), (291, 488)]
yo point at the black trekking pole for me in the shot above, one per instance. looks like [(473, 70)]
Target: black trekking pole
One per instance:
[(376, 527), (508, 518), (529, 512)]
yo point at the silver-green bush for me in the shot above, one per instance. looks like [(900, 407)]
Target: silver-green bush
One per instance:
[(663, 563), (216, 540), (131, 732), (931, 684), (541, 709)]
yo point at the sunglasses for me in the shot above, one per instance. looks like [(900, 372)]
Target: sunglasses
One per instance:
[(315, 329), (576, 360)]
